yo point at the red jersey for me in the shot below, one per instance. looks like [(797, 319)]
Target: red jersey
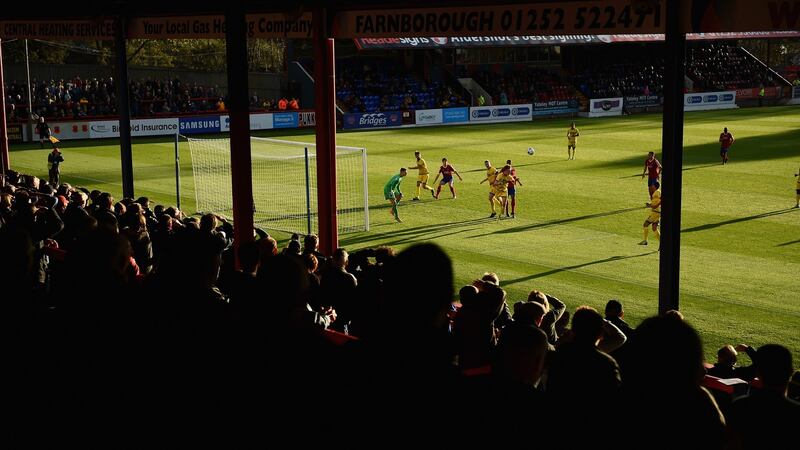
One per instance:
[(726, 139), (513, 181), (446, 171), (653, 168)]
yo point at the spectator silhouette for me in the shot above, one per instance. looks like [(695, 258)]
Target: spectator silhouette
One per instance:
[(767, 418), (662, 401)]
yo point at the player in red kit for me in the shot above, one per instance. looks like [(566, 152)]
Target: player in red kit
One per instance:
[(446, 171), (653, 170), (512, 190), (725, 141)]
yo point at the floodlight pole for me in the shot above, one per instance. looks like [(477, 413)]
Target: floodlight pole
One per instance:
[(325, 107), (672, 160), (238, 106), (124, 106)]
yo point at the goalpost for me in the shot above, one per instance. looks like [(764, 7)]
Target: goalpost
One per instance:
[(284, 183)]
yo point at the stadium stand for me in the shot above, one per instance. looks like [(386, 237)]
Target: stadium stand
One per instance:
[(114, 308), (96, 97), (524, 85), (366, 85), (719, 66)]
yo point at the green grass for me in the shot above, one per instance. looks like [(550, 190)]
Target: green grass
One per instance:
[(579, 221)]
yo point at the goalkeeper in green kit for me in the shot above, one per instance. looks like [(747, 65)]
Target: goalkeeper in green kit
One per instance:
[(391, 191)]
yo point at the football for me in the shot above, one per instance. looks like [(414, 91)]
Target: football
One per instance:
[(531, 151)]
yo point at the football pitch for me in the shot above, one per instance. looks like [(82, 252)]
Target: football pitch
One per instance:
[(578, 222)]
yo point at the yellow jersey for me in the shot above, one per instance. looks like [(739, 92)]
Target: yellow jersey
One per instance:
[(655, 203), (501, 182), (491, 174), (572, 134), (422, 166)]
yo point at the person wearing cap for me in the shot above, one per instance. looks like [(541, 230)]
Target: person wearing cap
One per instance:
[(54, 160)]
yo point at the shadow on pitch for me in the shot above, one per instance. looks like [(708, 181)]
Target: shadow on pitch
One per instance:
[(405, 235), (788, 243), (709, 226), (573, 267), (551, 223)]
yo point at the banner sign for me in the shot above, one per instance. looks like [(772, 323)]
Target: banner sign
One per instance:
[(372, 120), (257, 122), (503, 113), (284, 120), (472, 41), (54, 30), (14, 132), (70, 130), (601, 107), (213, 27), (188, 27), (642, 101), (428, 116), (139, 127), (700, 101), (555, 18), (307, 119), (200, 124), (554, 107), (511, 41), (750, 93), (455, 115), (588, 16)]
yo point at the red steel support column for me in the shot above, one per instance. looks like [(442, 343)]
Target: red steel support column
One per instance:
[(672, 160), (241, 171), (4, 164), (325, 107)]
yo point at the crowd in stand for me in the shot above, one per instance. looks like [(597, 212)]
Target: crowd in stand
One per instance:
[(96, 97), (527, 85), (367, 86), (124, 321), (722, 67), (622, 80)]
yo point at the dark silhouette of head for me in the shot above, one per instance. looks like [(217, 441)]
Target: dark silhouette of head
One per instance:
[(587, 325), (426, 314), (614, 309), (774, 367), (671, 345)]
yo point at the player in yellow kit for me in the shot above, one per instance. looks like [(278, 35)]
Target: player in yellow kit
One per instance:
[(501, 186), (655, 214), (491, 176), (422, 179), (572, 140)]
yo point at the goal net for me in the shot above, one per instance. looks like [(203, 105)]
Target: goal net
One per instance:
[(284, 183)]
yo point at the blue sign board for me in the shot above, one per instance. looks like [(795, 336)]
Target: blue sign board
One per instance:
[(201, 124), (372, 120), (454, 115), (284, 120)]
